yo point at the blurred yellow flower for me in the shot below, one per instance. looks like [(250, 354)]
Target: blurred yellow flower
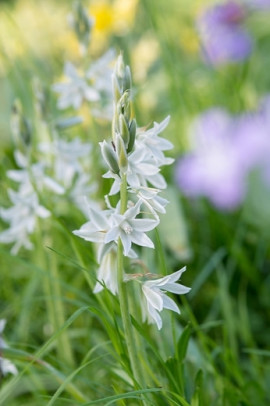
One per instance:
[(115, 17)]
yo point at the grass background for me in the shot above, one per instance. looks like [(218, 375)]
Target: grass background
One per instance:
[(66, 342)]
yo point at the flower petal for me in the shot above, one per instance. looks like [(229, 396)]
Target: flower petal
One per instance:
[(168, 303), (153, 298), (143, 224), (141, 239)]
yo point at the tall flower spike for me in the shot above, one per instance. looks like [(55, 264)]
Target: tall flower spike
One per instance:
[(134, 158)]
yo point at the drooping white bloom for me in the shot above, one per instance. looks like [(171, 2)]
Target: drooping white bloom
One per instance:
[(6, 366), (74, 90), (155, 296), (107, 271), (131, 229)]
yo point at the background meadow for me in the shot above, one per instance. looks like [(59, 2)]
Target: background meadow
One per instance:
[(67, 343)]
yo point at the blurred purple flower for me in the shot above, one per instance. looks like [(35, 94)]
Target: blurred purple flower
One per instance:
[(225, 150), (223, 39), (213, 169), (258, 4)]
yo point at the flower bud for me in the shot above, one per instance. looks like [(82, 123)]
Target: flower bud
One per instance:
[(124, 132), (116, 88), (132, 135), (109, 156), (120, 67), (123, 106), (127, 79), (121, 154)]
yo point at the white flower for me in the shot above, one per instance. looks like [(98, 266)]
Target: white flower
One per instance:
[(156, 299), (6, 366), (95, 230), (142, 169), (29, 174), (74, 90), (155, 145), (100, 73), (130, 229), (150, 198), (22, 218), (107, 272), (67, 156)]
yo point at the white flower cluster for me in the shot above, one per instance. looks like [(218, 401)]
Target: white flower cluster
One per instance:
[(6, 366), (134, 156), (62, 159)]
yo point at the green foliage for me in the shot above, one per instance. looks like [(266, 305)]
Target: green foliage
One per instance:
[(68, 343)]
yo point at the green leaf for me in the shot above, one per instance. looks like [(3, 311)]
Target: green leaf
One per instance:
[(183, 341)]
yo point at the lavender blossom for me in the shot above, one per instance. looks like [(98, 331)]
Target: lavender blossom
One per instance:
[(213, 169), (258, 4), (223, 39), (225, 151)]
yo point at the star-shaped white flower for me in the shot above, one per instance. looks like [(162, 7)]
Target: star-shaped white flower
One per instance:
[(155, 296), (74, 90), (131, 229)]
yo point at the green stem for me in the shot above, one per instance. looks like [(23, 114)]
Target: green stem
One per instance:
[(64, 343), (123, 297)]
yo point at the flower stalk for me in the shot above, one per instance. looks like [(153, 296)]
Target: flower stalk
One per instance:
[(123, 297)]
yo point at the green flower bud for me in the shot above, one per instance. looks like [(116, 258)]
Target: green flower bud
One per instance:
[(20, 125), (121, 154), (109, 156), (124, 131), (132, 135), (127, 79), (123, 106), (120, 67), (116, 88)]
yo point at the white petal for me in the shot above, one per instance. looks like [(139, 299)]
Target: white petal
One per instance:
[(154, 298), (168, 303), (112, 235), (54, 186), (133, 211), (89, 235), (154, 315), (141, 239), (176, 288), (126, 241), (42, 212), (143, 224), (98, 219)]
